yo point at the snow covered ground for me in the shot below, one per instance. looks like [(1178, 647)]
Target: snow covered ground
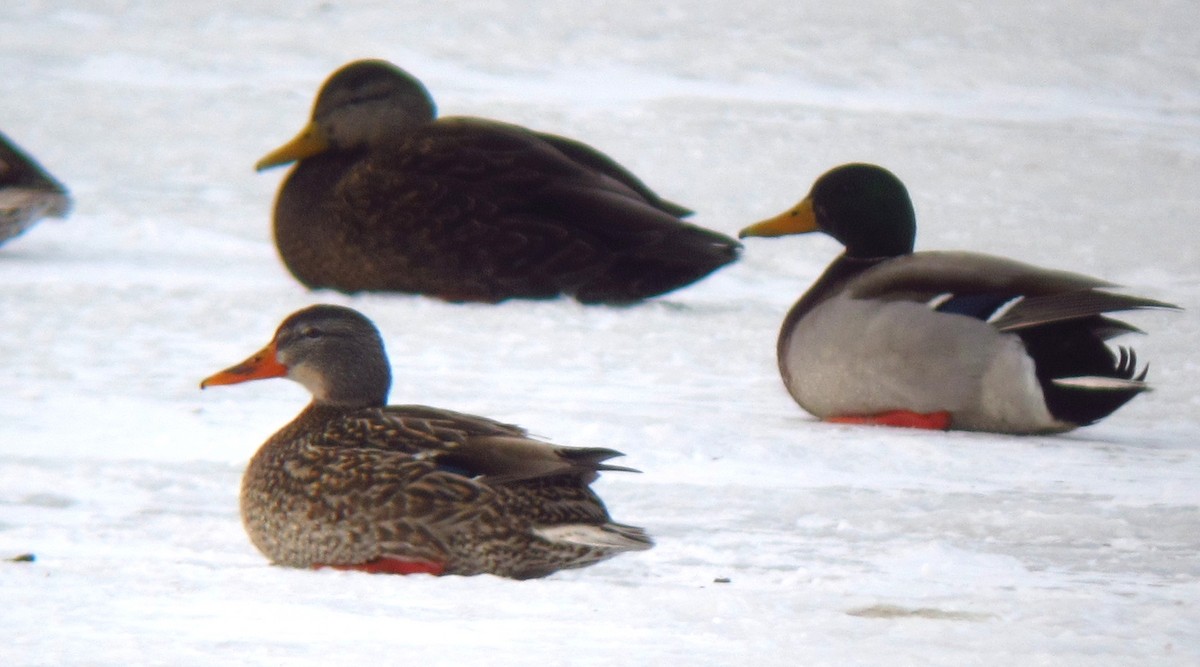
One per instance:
[(1063, 133)]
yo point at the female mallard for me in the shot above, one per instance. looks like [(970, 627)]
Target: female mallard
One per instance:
[(353, 483), (27, 192), (386, 198), (943, 339)]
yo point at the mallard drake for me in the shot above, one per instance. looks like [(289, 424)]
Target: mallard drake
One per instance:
[(27, 192), (943, 339), (353, 483), (384, 197)]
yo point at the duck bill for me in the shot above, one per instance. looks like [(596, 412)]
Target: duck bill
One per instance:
[(799, 219), (309, 142), (260, 366)]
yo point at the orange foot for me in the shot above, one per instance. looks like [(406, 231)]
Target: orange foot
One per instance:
[(393, 566), (934, 421)]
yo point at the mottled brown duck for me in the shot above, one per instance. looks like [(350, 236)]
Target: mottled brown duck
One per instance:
[(384, 196), (353, 483), (27, 192), (943, 339)]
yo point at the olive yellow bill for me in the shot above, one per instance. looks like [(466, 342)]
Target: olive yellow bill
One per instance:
[(799, 219), (311, 141)]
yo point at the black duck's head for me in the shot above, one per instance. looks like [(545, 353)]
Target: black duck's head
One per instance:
[(335, 352), (863, 206), (365, 104)]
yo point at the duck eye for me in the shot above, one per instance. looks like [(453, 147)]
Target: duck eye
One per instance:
[(311, 332)]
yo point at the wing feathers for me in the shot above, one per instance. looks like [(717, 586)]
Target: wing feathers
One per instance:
[(504, 459), (1048, 308), (1010, 295)]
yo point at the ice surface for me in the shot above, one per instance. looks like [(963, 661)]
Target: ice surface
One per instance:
[(1064, 133)]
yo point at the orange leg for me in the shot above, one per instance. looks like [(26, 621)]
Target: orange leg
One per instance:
[(393, 566), (934, 421)]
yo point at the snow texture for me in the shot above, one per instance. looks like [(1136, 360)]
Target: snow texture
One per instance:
[(1065, 134)]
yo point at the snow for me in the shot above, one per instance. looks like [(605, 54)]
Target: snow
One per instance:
[(1064, 134)]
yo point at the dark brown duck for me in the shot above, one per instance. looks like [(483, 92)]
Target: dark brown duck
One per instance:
[(387, 197)]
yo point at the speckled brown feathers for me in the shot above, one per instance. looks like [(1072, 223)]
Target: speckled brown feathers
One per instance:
[(469, 209), (343, 486), (353, 484)]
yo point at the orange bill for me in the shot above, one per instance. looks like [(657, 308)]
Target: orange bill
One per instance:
[(259, 366), (799, 219)]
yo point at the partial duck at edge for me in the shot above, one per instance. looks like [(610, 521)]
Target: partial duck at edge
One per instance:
[(28, 192)]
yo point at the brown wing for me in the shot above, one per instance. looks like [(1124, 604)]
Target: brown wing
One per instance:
[(493, 210), (424, 481), (595, 160), (467, 445)]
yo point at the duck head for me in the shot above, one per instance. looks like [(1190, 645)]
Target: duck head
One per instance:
[(363, 104), (863, 206), (334, 352)]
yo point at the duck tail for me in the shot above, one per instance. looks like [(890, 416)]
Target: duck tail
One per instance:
[(607, 537), (1083, 380), (593, 458)]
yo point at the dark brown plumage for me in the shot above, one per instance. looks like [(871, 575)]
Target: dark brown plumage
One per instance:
[(27, 192), (385, 197), (355, 484)]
